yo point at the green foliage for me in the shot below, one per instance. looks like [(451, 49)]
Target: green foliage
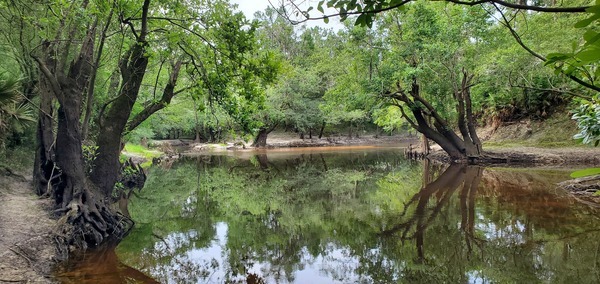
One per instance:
[(434, 41), (90, 152), (588, 122), (140, 133), (389, 118), (18, 157), (297, 96), (586, 172), (15, 114), (351, 99), (583, 59)]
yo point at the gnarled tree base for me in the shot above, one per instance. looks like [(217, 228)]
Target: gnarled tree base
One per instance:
[(87, 223)]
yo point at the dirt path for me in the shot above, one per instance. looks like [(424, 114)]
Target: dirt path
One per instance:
[(26, 251)]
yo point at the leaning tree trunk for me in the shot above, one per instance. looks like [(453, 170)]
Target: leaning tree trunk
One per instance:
[(429, 122)]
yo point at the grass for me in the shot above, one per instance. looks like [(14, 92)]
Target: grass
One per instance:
[(141, 151)]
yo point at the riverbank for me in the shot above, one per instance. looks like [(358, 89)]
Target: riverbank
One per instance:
[(576, 157), (280, 140), (530, 143), (27, 252), (547, 143)]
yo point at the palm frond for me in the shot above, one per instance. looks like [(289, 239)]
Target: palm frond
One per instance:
[(9, 88), (19, 117)]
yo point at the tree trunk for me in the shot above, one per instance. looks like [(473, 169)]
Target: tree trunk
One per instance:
[(470, 118), (350, 131), (322, 129), (44, 166), (263, 161), (425, 144), (261, 138), (196, 121), (467, 149), (92, 81), (112, 124), (88, 219)]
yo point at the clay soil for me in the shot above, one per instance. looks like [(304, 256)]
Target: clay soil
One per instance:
[(26, 247)]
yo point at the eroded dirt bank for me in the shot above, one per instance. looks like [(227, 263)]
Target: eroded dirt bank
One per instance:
[(576, 157), (27, 251)]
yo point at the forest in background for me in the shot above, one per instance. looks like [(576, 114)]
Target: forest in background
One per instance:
[(80, 78)]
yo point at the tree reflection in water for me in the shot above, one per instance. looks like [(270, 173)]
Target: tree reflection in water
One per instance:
[(441, 190), (357, 217)]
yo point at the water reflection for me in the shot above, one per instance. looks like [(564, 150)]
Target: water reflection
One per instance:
[(100, 266), (366, 216), (438, 193)]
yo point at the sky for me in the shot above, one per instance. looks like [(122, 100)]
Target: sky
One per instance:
[(249, 7)]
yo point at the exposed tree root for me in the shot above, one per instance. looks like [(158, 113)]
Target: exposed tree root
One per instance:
[(586, 187), (87, 223)]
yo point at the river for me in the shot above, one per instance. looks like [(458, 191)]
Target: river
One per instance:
[(348, 215)]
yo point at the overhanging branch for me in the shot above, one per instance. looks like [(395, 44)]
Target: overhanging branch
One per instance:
[(517, 38), (515, 6)]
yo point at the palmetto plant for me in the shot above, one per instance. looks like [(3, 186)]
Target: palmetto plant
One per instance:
[(14, 115)]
